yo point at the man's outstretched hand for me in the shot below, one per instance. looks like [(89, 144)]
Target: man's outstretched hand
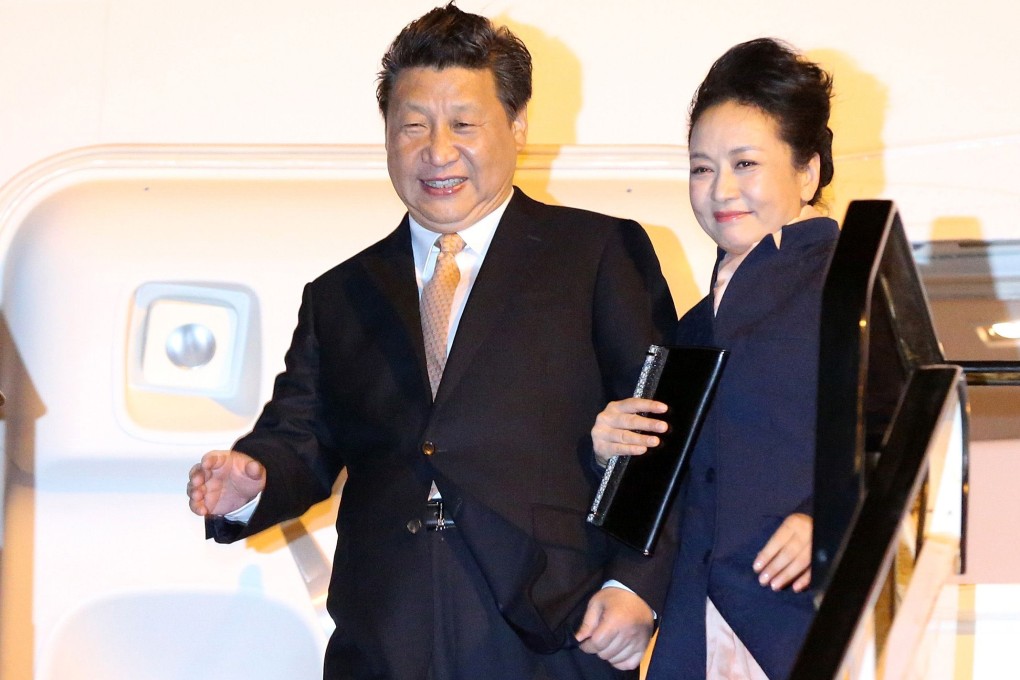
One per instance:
[(224, 481)]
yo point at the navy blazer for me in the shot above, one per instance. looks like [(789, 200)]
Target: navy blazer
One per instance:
[(557, 324), (753, 464)]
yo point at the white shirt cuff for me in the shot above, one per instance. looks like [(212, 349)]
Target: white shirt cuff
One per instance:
[(243, 514), (613, 583)]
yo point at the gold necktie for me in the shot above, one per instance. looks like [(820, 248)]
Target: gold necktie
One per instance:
[(436, 299)]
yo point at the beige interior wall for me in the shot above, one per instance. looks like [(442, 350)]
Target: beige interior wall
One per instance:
[(923, 100)]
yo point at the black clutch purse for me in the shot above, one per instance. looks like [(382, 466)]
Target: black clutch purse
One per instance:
[(633, 501)]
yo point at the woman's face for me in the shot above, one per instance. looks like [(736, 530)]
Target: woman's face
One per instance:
[(744, 185)]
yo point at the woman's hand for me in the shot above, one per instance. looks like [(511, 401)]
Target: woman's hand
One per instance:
[(620, 431), (786, 558)]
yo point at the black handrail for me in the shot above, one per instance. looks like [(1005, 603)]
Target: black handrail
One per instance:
[(893, 485), (883, 388), (876, 329), (883, 385), (990, 372)]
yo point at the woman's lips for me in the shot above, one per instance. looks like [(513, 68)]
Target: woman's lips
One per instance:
[(729, 215)]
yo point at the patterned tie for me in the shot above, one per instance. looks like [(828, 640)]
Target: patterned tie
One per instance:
[(436, 299)]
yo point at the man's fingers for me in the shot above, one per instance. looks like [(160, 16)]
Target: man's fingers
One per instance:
[(196, 489), (621, 650), (215, 459), (621, 632), (205, 483), (627, 661), (196, 501), (615, 649), (254, 470), (592, 614)]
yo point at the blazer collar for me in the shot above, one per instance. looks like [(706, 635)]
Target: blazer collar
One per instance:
[(390, 265), (768, 268), (504, 272), (505, 269)]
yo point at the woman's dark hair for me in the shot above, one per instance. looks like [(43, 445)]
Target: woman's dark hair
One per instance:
[(772, 77), (447, 36)]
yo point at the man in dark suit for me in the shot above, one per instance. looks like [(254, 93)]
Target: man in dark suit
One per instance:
[(463, 550)]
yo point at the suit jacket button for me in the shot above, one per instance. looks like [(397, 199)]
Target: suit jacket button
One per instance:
[(414, 526), (710, 475), (428, 448)]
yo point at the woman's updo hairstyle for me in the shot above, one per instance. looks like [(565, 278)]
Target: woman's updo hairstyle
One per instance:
[(770, 76)]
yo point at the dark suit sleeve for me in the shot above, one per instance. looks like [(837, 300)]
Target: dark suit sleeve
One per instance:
[(633, 308), (290, 438)]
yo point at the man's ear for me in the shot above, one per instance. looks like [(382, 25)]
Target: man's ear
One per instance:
[(519, 125)]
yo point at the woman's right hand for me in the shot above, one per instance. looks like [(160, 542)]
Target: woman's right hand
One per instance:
[(622, 430)]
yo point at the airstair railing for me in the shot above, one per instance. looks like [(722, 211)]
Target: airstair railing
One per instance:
[(884, 388), (876, 329)]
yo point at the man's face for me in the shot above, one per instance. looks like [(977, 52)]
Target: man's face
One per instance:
[(450, 149)]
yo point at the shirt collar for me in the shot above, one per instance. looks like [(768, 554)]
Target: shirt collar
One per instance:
[(477, 237)]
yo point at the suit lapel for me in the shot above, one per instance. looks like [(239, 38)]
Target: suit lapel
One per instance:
[(391, 268), (746, 300), (505, 269)]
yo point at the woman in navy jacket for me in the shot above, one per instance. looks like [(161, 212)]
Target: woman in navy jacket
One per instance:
[(760, 154)]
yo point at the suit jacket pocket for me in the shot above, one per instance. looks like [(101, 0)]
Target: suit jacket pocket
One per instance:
[(576, 555)]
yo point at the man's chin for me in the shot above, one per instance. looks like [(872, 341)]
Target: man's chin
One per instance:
[(444, 222)]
